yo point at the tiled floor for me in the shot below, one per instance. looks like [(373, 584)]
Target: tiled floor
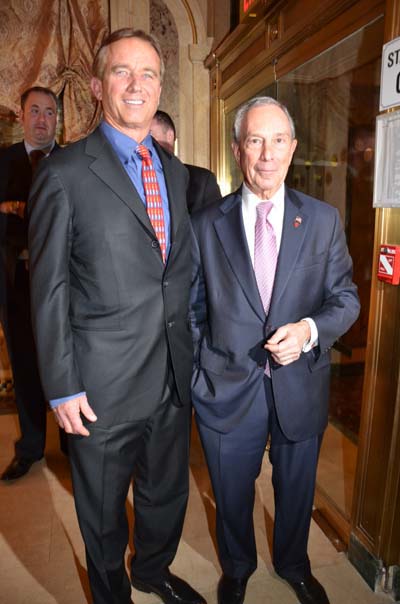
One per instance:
[(42, 555)]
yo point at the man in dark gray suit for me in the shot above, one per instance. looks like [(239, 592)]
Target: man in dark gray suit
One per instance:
[(110, 260), (273, 291), (17, 163), (203, 187)]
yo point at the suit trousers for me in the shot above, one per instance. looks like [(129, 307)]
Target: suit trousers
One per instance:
[(234, 460), (29, 397), (154, 452)]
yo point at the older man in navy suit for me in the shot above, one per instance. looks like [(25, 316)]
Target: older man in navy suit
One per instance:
[(273, 291)]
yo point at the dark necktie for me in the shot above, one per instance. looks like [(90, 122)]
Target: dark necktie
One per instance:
[(35, 156), (153, 198)]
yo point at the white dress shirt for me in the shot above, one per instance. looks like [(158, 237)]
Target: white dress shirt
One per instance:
[(29, 147), (275, 218)]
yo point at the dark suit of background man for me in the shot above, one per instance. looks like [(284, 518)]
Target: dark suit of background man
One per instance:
[(111, 326), (39, 119), (203, 187), (265, 373)]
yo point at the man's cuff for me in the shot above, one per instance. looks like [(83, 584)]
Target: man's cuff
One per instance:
[(57, 401), (313, 341)]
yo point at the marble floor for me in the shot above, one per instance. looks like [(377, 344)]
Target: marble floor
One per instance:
[(42, 555)]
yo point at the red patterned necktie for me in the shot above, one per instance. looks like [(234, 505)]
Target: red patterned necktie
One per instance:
[(153, 198), (265, 256)]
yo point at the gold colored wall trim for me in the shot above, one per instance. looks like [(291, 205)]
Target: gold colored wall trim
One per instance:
[(191, 21), (292, 33)]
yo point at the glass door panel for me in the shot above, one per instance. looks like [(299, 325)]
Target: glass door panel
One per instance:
[(334, 99)]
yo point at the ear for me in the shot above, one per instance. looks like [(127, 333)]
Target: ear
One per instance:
[(97, 88), (236, 152), (293, 149), (170, 138)]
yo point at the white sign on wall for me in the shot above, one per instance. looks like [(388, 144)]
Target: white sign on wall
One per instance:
[(390, 75), (387, 161)]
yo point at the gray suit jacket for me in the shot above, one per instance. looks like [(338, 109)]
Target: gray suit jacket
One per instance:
[(109, 318), (313, 279)]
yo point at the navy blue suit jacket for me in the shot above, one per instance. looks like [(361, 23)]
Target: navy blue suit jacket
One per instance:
[(313, 279)]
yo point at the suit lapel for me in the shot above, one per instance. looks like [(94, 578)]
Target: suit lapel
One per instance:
[(108, 169), (293, 235), (230, 231)]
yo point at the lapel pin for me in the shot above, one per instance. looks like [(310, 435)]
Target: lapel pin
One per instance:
[(297, 222)]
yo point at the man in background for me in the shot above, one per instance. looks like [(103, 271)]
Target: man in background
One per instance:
[(273, 292), (203, 187), (110, 251), (17, 165)]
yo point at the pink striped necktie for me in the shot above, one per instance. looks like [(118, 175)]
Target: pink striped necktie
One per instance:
[(265, 256), (153, 198)]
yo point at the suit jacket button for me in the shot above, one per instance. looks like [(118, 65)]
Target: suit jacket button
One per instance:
[(171, 323), (154, 243), (165, 284)]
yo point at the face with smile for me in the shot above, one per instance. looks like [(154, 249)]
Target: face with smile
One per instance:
[(265, 149), (39, 119), (130, 87)]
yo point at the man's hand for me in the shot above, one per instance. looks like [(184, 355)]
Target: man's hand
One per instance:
[(287, 342), (13, 207), (68, 415)]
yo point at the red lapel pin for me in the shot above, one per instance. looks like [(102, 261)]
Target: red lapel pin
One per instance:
[(297, 221)]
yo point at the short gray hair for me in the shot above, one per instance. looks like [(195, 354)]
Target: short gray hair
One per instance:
[(258, 101)]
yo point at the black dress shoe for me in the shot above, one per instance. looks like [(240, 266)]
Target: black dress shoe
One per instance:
[(171, 589), (309, 591), (231, 591), (18, 467)]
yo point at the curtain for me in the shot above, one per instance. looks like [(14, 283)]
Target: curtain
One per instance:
[(52, 43)]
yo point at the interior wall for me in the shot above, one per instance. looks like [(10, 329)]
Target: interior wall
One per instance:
[(163, 26)]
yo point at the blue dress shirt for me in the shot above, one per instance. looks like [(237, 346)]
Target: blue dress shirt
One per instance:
[(125, 148)]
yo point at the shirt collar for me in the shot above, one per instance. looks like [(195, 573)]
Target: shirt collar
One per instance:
[(251, 199), (29, 148), (124, 145)]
